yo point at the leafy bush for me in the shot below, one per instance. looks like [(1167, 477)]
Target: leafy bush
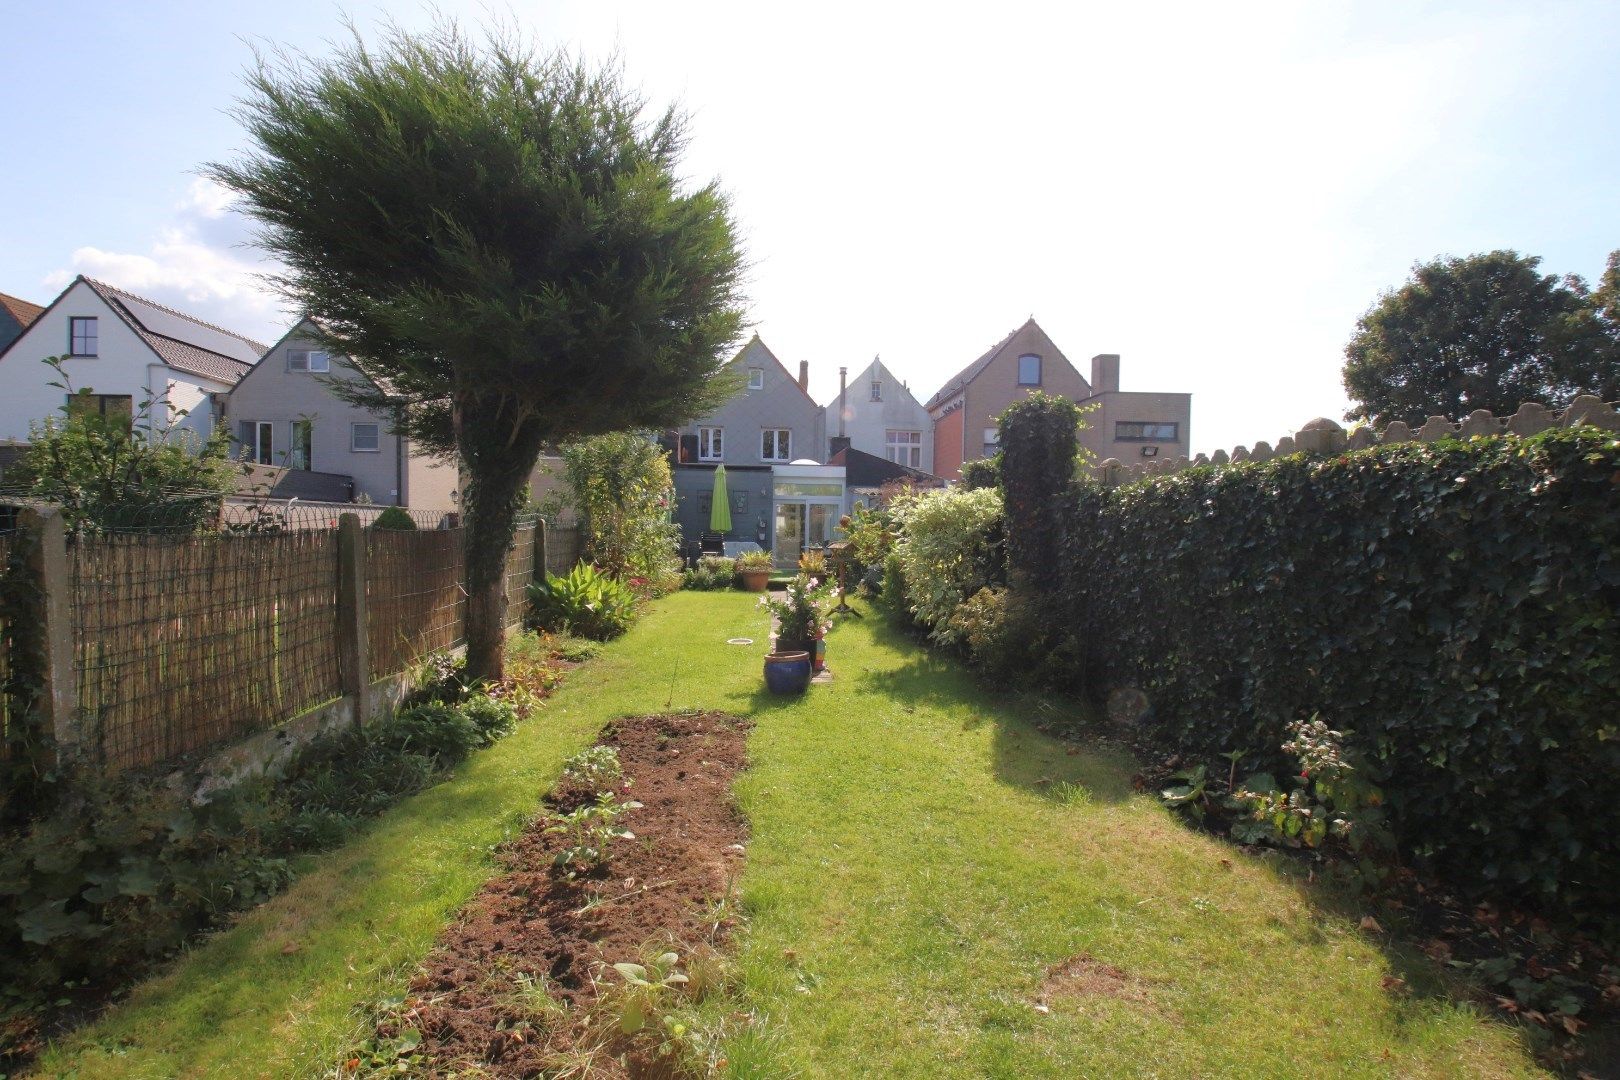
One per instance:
[(621, 485), (394, 518), (754, 560), (1450, 605), (711, 573), (135, 470), (124, 873), (586, 602), (949, 547)]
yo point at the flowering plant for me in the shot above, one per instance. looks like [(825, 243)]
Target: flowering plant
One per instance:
[(800, 612)]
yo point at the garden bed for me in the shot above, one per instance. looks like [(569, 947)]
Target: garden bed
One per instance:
[(517, 985)]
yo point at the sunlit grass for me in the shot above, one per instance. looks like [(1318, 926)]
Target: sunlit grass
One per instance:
[(920, 856)]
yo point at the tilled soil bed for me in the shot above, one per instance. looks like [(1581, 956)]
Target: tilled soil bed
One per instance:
[(489, 999)]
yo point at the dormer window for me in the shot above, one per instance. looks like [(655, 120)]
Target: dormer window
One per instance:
[(308, 360), (756, 378), (1029, 370), (82, 338)]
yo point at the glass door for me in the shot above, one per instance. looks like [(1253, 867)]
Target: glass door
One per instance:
[(789, 540)]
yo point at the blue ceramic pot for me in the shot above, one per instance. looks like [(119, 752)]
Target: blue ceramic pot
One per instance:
[(787, 672)]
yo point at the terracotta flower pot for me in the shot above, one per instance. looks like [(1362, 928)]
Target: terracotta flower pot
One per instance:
[(755, 580), (787, 672)]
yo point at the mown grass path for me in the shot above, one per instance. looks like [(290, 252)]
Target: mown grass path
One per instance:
[(921, 856)]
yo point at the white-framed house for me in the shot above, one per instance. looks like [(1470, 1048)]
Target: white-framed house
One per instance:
[(121, 350)]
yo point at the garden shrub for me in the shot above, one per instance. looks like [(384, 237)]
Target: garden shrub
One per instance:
[(712, 572), (1449, 606), (621, 485), (949, 546), (394, 518), (124, 872), (586, 602)]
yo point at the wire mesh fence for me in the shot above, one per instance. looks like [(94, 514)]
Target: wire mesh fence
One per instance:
[(415, 599), (182, 643), (564, 546), (276, 515)]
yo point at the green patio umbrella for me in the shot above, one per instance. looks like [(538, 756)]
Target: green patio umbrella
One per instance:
[(720, 508)]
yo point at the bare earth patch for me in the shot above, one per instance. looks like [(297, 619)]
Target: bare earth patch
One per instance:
[(1084, 976), (510, 989)]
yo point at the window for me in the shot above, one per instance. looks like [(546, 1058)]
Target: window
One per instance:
[(303, 445), (258, 437), (877, 390), (756, 378), (365, 438), (1145, 431), (905, 448), (711, 444), (992, 441), (82, 337), (776, 444), (105, 405), (308, 360), (1029, 370)]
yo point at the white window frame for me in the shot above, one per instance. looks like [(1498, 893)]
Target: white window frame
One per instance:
[(316, 361), (877, 389), (1173, 426), (1038, 373), (92, 339), (780, 442), (354, 438), (904, 447), (756, 378), (711, 444), (262, 429), (992, 441)]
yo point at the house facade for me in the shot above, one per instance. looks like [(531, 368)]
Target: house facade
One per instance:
[(769, 433), (283, 413), (1123, 424), (121, 350), (877, 413)]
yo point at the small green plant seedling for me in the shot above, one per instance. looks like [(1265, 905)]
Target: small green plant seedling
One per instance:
[(647, 990), (589, 830), (596, 768)]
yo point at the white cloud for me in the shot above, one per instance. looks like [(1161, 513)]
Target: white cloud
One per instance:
[(197, 263)]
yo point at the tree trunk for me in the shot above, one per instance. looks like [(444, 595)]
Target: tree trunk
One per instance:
[(497, 464)]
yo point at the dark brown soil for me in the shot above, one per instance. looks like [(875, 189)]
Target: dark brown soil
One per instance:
[(534, 934)]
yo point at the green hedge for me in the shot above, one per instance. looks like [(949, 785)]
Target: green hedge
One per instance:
[(1451, 605)]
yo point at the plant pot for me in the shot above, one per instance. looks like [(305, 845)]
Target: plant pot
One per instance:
[(787, 672), (756, 580)]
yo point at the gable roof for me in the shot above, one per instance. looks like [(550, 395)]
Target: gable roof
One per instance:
[(182, 341), (318, 334), (956, 383), (22, 310), (792, 378), (887, 377)]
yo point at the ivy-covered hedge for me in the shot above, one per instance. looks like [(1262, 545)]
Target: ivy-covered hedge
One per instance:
[(1453, 606)]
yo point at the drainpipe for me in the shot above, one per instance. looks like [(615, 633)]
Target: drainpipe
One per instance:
[(399, 467)]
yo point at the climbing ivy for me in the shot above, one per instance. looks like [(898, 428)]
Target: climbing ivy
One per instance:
[(1450, 606)]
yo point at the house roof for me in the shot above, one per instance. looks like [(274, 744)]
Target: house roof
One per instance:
[(956, 383), (792, 378), (184, 342), (24, 311), (863, 470)]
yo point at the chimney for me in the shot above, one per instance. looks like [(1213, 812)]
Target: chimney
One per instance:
[(804, 375), (1105, 373), (842, 391)]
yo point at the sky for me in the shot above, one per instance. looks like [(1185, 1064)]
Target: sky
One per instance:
[(1215, 192)]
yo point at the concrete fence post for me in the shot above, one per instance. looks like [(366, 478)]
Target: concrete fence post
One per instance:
[(353, 660), (1321, 436), (47, 563), (540, 549)]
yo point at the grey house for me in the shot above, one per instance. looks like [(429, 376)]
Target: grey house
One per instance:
[(283, 414), (772, 438)]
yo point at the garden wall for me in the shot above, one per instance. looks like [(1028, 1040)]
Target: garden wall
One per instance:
[(1450, 602)]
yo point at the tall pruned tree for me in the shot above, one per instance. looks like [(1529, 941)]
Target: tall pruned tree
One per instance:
[(1484, 332), (498, 237)]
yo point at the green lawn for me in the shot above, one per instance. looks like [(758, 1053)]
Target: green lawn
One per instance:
[(920, 856)]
